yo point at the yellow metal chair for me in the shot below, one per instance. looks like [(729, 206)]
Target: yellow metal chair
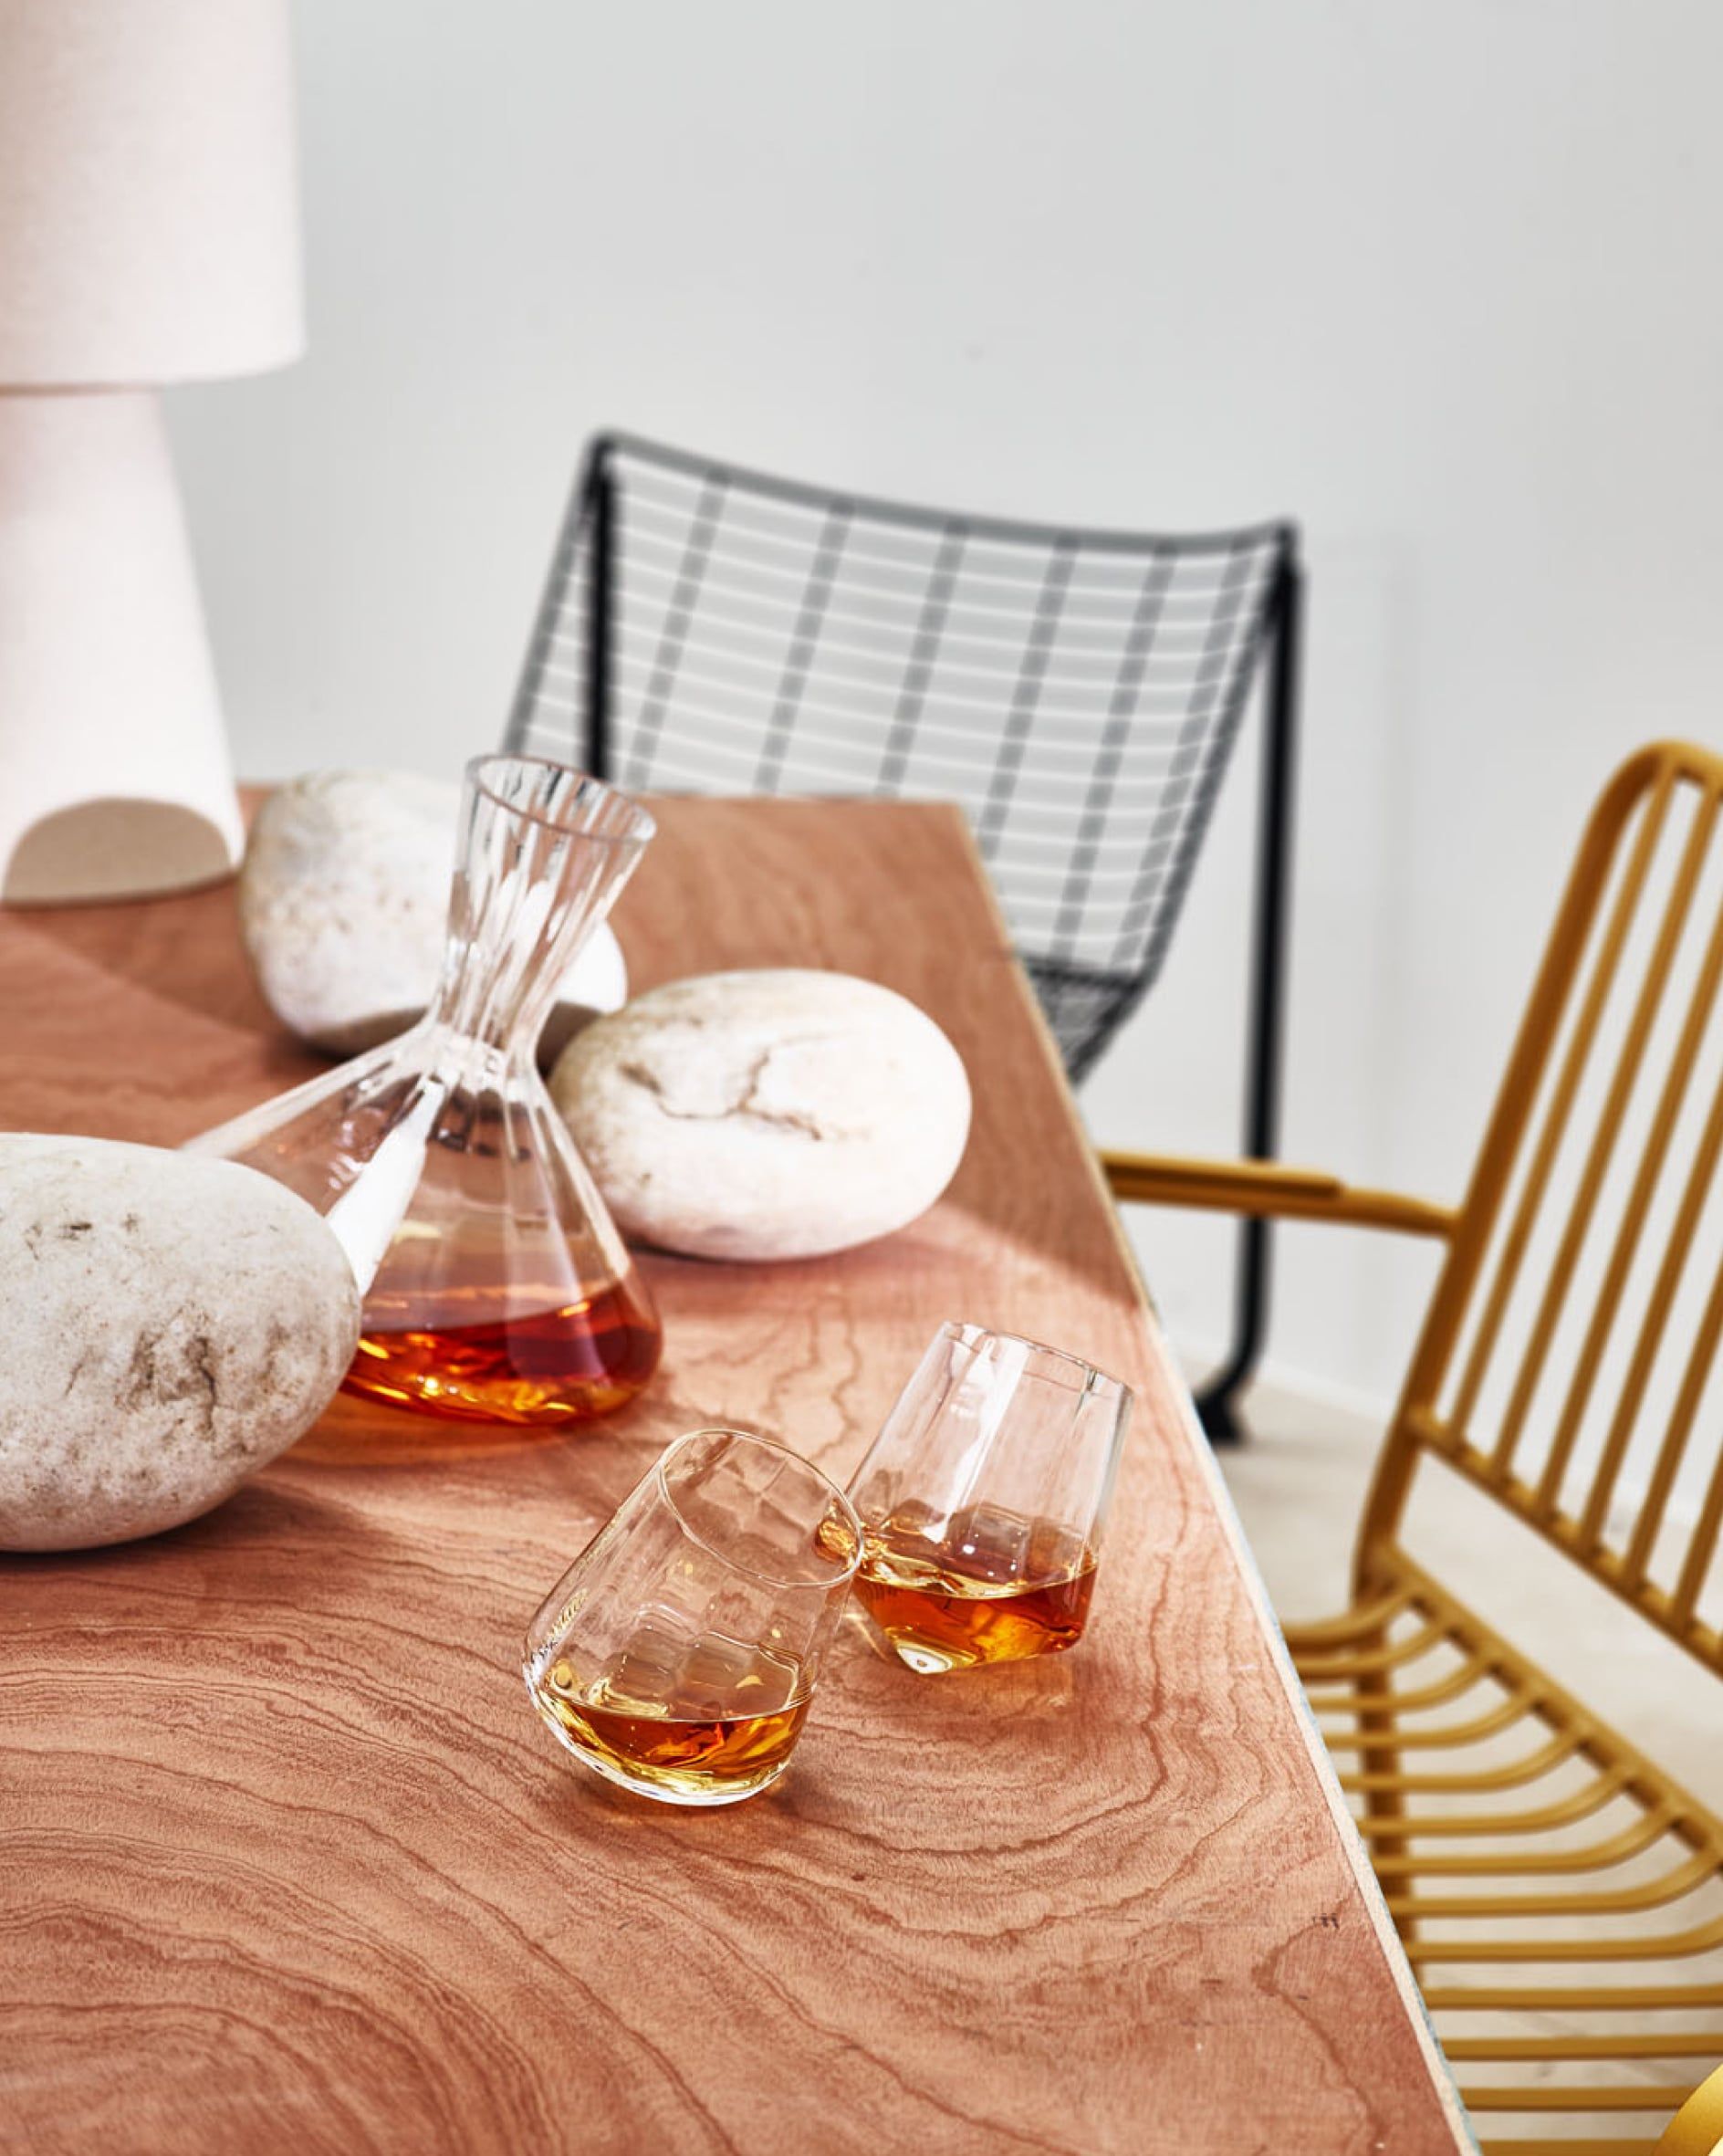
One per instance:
[(1560, 1895), (1696, 2130)]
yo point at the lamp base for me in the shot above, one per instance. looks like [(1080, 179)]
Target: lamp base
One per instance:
[(114, 776)]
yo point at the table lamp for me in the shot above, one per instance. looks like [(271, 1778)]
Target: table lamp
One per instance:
[(149, 234)]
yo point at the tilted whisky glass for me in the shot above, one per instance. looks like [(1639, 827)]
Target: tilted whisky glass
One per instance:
[(983, 1499), (678, 1654)]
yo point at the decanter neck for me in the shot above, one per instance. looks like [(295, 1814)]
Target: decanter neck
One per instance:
[(543, 854), (460, 1060), (489, 1026)]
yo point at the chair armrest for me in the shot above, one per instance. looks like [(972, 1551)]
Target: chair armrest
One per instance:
[(1265, 1188)]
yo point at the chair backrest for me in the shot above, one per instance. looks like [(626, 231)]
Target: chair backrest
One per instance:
[(705, 629), (1567, 1363)]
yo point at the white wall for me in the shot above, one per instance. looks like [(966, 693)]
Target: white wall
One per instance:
[(1437, 276)]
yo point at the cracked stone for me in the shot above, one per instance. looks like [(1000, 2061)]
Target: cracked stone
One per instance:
[(174, 1323), (768, 1114)]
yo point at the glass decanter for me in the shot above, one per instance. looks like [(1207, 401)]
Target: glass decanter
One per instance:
[(496, 1287)]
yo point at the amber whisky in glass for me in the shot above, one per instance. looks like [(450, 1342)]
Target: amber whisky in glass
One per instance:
[(982, 1501), (678, 1655), (983, 1586), (699, 1722)]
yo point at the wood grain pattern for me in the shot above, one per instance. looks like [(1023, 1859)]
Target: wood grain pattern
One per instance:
[(287, 1863)]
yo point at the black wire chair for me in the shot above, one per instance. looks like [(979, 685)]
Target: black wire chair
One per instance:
[(705, 629)]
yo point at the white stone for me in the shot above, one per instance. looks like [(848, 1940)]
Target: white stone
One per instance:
[(766, 1114), (344, 899), (173, 1324)]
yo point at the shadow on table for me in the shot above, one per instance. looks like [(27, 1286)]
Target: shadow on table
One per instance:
[(182, 948), (260, 1517)]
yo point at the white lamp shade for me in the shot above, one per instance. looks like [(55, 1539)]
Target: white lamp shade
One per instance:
[(149, 218)]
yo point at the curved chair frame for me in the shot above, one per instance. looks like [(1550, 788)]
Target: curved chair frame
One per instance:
[(1696, 2128), (1431, 1714)]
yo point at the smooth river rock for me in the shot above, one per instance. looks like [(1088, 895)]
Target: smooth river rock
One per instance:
[(344, 899), (173, 1323), (766, 1114)]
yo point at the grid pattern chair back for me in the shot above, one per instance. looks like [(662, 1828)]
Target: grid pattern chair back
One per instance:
[(1568, 1365), (710, 629)]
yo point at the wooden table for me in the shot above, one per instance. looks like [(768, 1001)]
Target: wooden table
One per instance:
[(287, 1863)]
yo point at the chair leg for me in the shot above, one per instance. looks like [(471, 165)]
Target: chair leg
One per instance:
[(601, 622), (1382, 1805), (1215, 1403)]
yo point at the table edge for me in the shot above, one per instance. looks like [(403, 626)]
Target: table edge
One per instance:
[(1202, 1454)]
